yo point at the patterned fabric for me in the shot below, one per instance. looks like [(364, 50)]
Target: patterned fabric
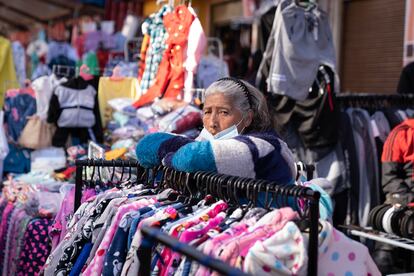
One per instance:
[(5, 221), (16, 111), (117, 251), (72, 251), (12, 230), (36, 247), (96, 266), (154, 27), (259, 155), (283, 253), (17, 249), (169, 80), (131, 266)]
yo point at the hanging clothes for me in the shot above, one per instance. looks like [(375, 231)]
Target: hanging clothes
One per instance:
[(19, 57), (170, 78), (197, 42), (144, 48), (44, 87), (300, 42), (154, 27), (105, 238), (74, 109), (210, 69), (8, 77), (397, 168), (369, 193), (315, 118), (16, 111)]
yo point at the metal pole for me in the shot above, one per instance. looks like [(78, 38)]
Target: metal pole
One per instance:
[(313, 235), (78, 187)]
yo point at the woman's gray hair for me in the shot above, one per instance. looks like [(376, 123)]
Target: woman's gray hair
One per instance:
[(261, 116)]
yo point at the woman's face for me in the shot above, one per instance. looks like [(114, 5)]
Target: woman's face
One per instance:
[(219, 113)]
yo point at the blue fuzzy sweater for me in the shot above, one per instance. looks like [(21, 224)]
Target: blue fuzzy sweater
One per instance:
[(260, 155)]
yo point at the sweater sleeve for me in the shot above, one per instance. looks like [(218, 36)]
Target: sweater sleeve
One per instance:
[(243, 156), (193, 157), (154, 147), (54, 110)]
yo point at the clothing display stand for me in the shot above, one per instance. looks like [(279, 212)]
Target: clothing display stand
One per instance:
[(153, 236), (81, 164), (224, 187), (379, 236), (375, 101)]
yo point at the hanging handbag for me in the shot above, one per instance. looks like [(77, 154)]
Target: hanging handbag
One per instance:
[(37, 134)]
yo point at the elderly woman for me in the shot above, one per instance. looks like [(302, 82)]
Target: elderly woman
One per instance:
[(237, 138)]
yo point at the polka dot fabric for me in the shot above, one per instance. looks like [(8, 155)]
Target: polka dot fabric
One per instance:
[(341, 256), (284, 253)]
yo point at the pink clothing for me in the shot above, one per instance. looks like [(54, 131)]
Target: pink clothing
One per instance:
[(211, 212), (96, 265), (58, 229), (193, 233), (221, 238), (264, 228), (131, 265), (284, 253), (11, 243), (339, 255)]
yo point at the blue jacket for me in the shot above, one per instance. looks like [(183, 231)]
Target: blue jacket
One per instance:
[(255, 155)]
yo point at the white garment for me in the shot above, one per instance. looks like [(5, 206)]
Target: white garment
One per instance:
[(197, 42), (284, 253), (302, 42), (43, 88), (48, 160)]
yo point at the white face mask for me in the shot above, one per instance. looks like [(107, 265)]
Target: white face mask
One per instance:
[(227, 133)]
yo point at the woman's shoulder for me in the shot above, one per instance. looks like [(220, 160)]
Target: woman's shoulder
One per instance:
[(269, 136)]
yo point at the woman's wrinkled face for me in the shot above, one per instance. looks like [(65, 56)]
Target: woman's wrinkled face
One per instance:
[(219, 113)]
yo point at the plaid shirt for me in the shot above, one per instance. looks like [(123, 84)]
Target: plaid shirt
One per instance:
[(154, 27)]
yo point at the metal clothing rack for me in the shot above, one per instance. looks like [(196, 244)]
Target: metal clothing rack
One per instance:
[(153, 236), (374, 100), (81, 164), (379, 236), (224, 187)]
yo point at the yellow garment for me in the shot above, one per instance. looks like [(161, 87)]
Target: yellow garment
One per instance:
[(115, 154), (114, 88), (8, 78)]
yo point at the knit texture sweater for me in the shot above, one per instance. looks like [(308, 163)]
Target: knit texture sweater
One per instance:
[(259, 155)]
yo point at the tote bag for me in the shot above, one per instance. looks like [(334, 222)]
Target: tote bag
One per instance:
[(37, 134)]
